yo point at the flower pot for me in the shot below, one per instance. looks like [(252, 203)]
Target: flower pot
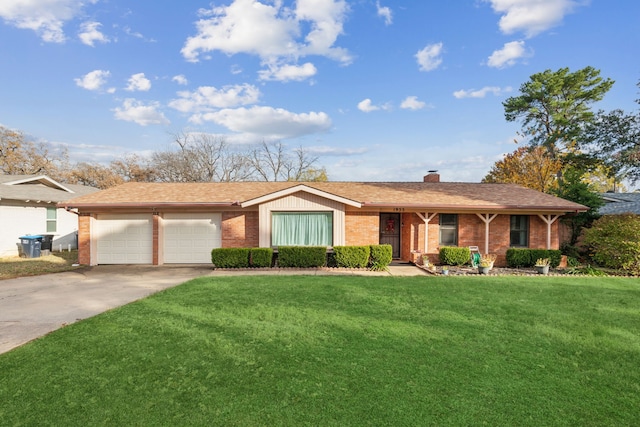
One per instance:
[(542, 269), (484, 270), (445, 272)]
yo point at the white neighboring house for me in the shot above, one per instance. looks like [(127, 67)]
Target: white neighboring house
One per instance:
[(28, 207)]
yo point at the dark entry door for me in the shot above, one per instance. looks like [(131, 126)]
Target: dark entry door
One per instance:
[(390, 231)]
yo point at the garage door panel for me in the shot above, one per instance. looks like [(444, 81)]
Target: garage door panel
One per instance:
[(125, 239), (189, 238)]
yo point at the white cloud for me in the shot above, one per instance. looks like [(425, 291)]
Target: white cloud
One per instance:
[(138, 82), (208, 98), (385, 12), (180, 79), (90, 33), (429, 58), (271, 31), (367, 106), (412, 103), (45, 17), (93, 80), (472, 93), (532, 17), (270, 122), (136, 111), (289, 72), (507, 56)]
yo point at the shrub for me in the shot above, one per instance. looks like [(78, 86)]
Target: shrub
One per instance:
[(261, 257), (453, 255), (352, 256), (381, 256), (517, 258), (614, 241), (302, 256), (230, 257)]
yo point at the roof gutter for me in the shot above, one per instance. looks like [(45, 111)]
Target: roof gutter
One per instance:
[(475, 208), (88, 206)]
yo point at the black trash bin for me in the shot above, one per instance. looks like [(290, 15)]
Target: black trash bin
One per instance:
[(31, 246), (47, 242)]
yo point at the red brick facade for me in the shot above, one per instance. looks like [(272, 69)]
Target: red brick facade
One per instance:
[(84, 239), (240, 229), (362, 228)]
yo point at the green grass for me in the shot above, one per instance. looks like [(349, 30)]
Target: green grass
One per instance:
[(336, 351)]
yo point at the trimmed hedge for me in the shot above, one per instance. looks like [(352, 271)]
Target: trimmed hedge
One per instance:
[(527, 257), (453, 255), (302, 256), (261, 257), (230, 257), (352, 256), (381, 256)]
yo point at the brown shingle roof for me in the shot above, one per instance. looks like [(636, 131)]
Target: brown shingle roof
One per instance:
[(442, 195)]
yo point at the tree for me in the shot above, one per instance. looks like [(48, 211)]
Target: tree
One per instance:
[(530, 167), (19, 156), (616, 138), (573, 188), (555, 106), (94, 175), (200, 158), (271, 162)]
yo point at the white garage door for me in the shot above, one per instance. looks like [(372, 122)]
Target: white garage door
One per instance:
[(189, 238), (125, 239)]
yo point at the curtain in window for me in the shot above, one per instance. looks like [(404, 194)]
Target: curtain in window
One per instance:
[(302, 228)]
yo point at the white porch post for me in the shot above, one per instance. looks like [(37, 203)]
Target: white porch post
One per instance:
[(426, 217), (486, 218), (549, 220)]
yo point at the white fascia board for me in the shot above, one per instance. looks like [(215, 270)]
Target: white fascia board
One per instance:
[(44, 179)]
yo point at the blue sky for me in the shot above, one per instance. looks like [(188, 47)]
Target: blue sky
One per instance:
[(379, 90)]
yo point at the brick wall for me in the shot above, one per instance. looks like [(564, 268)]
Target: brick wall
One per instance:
[(84, 239), (362, 228), (240, 229)]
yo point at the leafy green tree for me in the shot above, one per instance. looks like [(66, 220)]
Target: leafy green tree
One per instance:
[(555, 106), (573, 188), (615, 136)]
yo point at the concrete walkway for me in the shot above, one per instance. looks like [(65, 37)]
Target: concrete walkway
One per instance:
[(31, 307)]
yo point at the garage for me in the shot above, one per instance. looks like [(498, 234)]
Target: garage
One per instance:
[(124, 239), (189, 237)]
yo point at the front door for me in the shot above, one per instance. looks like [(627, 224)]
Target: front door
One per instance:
[(390, 231)]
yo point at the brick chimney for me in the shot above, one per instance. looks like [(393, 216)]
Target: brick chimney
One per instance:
[(432, 176)]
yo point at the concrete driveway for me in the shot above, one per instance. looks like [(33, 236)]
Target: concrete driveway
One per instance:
[(31, 307), (34, 306)]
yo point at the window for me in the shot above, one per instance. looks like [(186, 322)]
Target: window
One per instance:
[(302, 228), (519, 231), (52, 217), (448, 230)]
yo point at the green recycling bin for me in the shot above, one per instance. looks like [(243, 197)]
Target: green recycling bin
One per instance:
[(31, 246)]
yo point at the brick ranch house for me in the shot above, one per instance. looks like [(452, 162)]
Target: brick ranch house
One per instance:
[(164, 223)]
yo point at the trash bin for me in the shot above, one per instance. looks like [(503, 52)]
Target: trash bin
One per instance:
[(47, 242), (31, 246)]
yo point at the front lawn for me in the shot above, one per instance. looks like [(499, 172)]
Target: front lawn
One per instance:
[(56, 262), (342, 350)]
